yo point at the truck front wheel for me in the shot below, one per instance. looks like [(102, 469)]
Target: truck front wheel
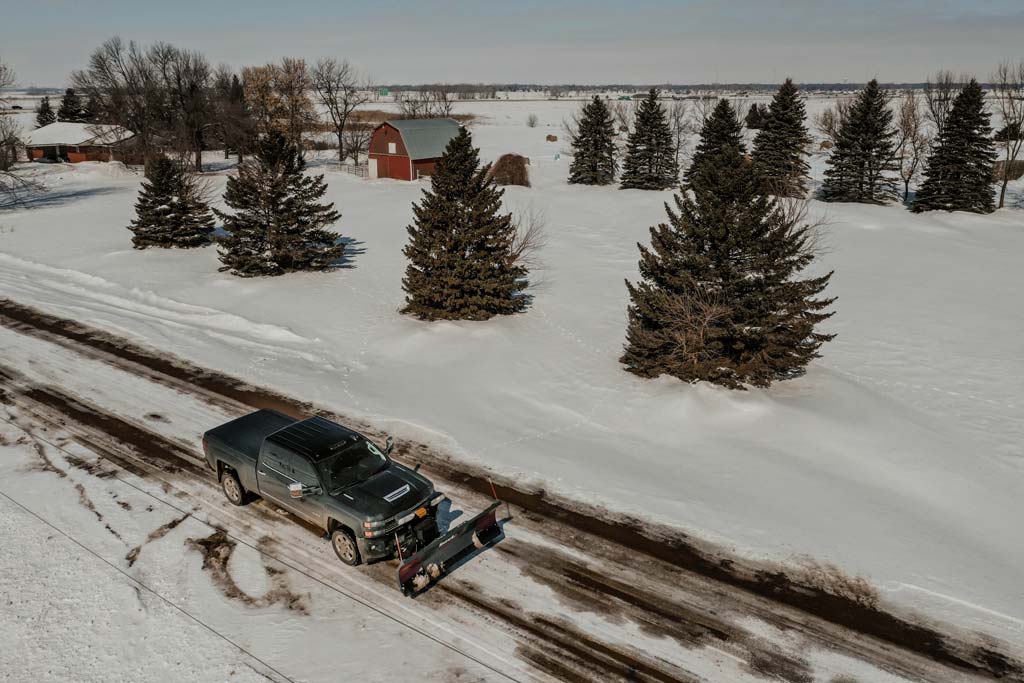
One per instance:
[(345, 546), (233, 490)]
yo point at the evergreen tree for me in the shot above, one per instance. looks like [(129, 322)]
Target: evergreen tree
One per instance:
[(170, 211), (71, 108), (958, 175), (278, 225), (650, 162), (721, 132), (756, 116), (44, 113), (462, 262), (593, 146), (720, 298), (781, 145), (863, 163)]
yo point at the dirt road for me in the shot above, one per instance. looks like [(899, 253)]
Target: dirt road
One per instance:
[(573, 593)]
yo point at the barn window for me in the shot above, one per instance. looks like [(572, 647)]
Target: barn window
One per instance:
[(392, 148)]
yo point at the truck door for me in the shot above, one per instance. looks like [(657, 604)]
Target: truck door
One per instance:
[(272, 475), (310, 507)]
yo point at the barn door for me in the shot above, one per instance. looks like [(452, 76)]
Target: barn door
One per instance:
[(373, 168)]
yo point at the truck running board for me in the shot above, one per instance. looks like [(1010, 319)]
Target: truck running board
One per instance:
[(431, 562)]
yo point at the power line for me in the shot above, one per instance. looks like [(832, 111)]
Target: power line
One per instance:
[(143, 585)]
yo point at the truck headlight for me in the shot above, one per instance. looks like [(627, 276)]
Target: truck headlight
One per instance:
[(436, 500)]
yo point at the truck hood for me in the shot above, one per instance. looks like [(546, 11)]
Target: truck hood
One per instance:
[(387, 493)]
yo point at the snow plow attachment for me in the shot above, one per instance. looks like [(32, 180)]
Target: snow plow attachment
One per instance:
[(431, 562)]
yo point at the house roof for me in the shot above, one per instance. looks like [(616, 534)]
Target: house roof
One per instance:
[(67, 133), (426, 138)]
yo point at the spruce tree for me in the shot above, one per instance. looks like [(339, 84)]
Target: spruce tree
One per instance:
[(279, 226), (44, 113), (593, 146), (756, 116), (958, 175), (462, 264), (863, 163), (170, 211), (71, 108), (650, 162), (781, 144), (721, 132), (720, 298)]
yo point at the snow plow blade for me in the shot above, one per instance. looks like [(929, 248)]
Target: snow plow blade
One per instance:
[(431, 562)]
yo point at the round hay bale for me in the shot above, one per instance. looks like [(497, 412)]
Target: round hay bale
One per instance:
[(510, 169)]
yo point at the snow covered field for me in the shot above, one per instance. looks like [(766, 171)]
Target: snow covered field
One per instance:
[(898, 456)]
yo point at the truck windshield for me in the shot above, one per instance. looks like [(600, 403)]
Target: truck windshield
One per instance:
[(352, 465)]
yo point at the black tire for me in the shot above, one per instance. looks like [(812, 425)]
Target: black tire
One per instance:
[(232, 488), (345, 547)]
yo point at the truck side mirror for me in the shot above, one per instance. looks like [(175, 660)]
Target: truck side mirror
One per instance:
[(389, 445), (295, 490)]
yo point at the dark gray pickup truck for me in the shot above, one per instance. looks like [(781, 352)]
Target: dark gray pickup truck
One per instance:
[(328, 476)]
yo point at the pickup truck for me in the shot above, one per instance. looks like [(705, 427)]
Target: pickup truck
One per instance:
[(329, 476)]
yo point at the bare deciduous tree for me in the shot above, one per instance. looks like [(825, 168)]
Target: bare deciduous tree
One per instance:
[(234, 125), (830, 121), (1008, 90), (12, 185), (341, 89), (530, 239), (678, 113), (442, 100), (913, 139), (291, 82), (9, 143), (356, 140), (277, 96), (187, 78), (414, 104), (623, 113), (703, 106), (939, 92), (124, 83), (7, 78)]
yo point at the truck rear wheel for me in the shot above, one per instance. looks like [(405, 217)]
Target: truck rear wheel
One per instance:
[(232, 488), (345, 547)]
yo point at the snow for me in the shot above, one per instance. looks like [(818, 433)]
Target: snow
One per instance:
[(68, 133), (898, 456)]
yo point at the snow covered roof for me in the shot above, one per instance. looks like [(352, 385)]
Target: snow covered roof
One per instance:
[(426, 138), (67, 133)]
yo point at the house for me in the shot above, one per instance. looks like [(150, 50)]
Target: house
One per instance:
[(75, 142), (405, 149)]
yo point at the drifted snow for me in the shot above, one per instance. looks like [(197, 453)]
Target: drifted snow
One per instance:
[(898, 456)]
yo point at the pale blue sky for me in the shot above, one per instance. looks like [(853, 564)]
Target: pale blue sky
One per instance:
[(643, 41)]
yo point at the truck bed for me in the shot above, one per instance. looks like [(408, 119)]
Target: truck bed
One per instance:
[(245, 435)]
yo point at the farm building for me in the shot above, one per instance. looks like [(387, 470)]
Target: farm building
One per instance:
[(405, 149), (75, 142)]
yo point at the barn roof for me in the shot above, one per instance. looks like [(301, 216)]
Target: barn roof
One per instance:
[(426, 138), (67, 133)]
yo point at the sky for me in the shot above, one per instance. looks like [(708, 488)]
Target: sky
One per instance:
[(533, 41)]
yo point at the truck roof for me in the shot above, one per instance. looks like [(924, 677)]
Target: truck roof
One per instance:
[(315, 437)]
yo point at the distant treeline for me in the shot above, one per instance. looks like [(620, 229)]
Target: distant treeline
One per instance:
[(767, 88)]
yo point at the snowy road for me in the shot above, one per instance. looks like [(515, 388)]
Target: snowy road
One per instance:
[(101, 442)]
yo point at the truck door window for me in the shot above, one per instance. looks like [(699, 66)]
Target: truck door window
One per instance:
[(301, 470)]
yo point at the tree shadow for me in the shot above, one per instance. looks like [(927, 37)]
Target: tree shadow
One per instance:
[(45, 199), (353, 248)]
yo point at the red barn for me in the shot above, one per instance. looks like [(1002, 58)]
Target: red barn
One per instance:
[(404, 149)]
